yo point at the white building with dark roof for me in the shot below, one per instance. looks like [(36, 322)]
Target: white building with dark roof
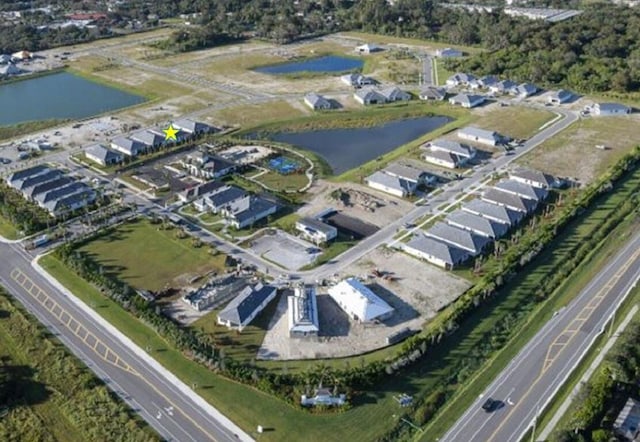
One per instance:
[(559, 97), (460, 238), (509, 200), (246, 211), (246, 306), (315, 230), (302, 312), (356, 80), (399, 179), (368, 48), (103, 155), (522, 190), (394, 93), (447, 153), (433, 93), (436, 252), (476, 224), (480, 136), (608, 109), (627, 424), (502, 87), (316, 102), (449, 53), (359, 302), (525, 90), (459, 78), (467, 101), (193, 127), (535, 178), (369, 95), (494, 212)]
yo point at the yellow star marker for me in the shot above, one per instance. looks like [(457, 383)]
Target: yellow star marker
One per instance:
[(170, 133)]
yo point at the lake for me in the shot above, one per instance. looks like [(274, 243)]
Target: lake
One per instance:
[(59, 96), (327, 63), (345, 149)]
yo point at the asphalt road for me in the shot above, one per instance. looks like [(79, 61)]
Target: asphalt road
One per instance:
[(529, 382), (176, 413)]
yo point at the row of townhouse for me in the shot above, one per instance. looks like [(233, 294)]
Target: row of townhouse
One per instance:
[(52, 189), (144, 141), (467, 232)]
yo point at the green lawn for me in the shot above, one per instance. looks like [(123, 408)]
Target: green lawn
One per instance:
[(442, 72), (52, 395), (151, 259), (514, 122), (281, 182), (7, 229), (336, 247), (240, 346)]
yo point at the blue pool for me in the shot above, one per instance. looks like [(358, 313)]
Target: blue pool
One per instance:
[(327, 63)]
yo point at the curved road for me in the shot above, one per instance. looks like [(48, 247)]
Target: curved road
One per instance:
[(531, 380)]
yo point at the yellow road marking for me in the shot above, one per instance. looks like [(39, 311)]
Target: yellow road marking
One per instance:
[(573, 332), (85, 335)]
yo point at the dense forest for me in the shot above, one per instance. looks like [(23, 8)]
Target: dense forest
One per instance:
[(593, 52)]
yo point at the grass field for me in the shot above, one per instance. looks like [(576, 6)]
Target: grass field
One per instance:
[(520, 122), (524, 286), (7, 229), (52, 395), (442, 72), (291, 182), (151, 259), (240, 346), (249, 115), (573, 151)]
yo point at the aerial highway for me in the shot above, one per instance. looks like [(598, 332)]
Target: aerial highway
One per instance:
[(530, 381), (167, 404)]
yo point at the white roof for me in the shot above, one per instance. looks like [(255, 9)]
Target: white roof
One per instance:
[(303, 310), (357, 300)]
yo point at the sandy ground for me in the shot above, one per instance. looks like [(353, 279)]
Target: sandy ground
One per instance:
[(417, 293), (392, 207)]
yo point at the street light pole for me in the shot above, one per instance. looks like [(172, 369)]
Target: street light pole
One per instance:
[(535, 421)]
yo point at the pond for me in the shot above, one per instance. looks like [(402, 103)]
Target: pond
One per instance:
[(345, 149), (327, 63), (59, 96)]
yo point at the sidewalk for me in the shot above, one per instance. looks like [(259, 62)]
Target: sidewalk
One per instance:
[(585, 377)]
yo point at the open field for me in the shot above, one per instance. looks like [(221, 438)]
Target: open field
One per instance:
[(7, 229), (387, 39), (442, 73), (49, 394), (524, 286), (255, 114), (281, 182), (573, 151), (514, 122), (150, 259)]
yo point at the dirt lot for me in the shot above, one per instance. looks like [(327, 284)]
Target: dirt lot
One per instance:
[(417, 292), (245, 154), (391, 207), (573, 152)]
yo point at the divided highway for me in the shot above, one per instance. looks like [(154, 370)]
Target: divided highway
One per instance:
[(531, 380), (167, 404)]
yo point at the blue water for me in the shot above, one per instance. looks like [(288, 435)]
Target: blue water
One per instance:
[(345, 149), (61, 95), (327, 63)]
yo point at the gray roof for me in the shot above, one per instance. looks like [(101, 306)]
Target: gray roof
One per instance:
[(404, 171), (128, 145), (462, 77), (440, 250), (467, 99), (391, 92), (476, 224), (249, 206), (317, 100), (192, 126), (202, 189), (535, 176), (391, 181), (48, 185), (148, 138), (454, 147), (492, 211), (24, 173), (523, 190), (476, 132), (245, 304), (40, 178), (84, 196), (504, 85), (60, 192), (612, 107), (526, 89), (224, 195), (510, 200), (488, 80), (442, 155), (627, 423), (562, 95), (458, 237), (367, 93), (314, 224), (434, 92), (101, 152)]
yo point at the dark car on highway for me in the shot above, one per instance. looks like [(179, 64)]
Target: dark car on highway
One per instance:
[(490, 405)]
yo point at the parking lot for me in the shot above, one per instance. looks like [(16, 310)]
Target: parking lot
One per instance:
[(284, 249)]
